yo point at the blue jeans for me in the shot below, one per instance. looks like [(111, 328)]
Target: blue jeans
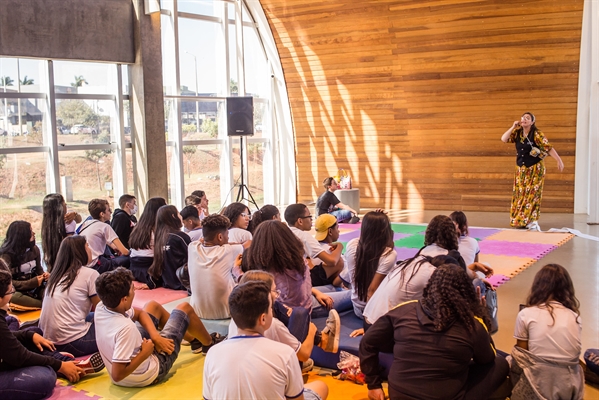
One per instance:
[(342, 215), (341, 301), (297, 323), (174, 329), (27, 383), (86, 344)]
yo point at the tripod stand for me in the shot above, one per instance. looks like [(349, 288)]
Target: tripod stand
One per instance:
[(243, 188)]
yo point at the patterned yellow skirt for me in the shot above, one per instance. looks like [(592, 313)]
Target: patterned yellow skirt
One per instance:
[(526, 195)]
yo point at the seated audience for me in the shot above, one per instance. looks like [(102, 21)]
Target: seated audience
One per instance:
[(141, 255), (284, 320), (170, 250), (54, 211), (369, 258), (467, 246), (267, 369), (123, 219), (99, 234), (327, 234), (71, 219), (277, 250), (545, 360), (211, 265), (140, 355), (328, 203), (66, 317), (440, 344), (325, 267), (22, 256), (240, 216), (409, 278), (192, 223), (266, 213), (28, 361), (203, 205)]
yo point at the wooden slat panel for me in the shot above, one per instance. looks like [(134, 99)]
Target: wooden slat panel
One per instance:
[(412, 96)]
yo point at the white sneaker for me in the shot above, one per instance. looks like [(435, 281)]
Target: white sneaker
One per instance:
[(533, 226)]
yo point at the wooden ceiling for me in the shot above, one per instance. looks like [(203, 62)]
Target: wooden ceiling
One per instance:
[(411, 97)]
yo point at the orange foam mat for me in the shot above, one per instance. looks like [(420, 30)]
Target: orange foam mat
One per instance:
[(513, 235), (506, 265)]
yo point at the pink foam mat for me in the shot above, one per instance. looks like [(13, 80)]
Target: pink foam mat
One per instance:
[(498, 279), (161, 295), (517, 249), (64, 391)]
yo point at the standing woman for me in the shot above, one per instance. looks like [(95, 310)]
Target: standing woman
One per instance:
[(531, 147), (54, 210), (141, 254), (170, 250)]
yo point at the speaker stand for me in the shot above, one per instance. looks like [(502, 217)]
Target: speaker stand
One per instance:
[(243, 188)]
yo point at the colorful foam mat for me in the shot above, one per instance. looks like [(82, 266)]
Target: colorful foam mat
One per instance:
[(507, 251)]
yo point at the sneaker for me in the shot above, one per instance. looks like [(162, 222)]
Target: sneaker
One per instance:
[(307, 366), (354, 220), (196, 346), (332, 331), (185, 343), (216, 339), (91, 364), (533, 226)]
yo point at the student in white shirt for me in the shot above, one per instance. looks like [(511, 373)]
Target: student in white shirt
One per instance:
[(548, 338), (66, 317), (211, 263), (327, 234), (240, 217), (249, 365), (140, 356), (266, 213), (191, 223), (325, 266), (467, 246), (99, 234), (370, 258)]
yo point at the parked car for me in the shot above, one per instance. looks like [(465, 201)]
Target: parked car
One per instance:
[(79, 128)]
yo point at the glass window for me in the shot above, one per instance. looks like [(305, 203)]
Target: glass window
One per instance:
[(84, 121), (129, 165), (125, 79), (22, 75), (22, 122), (127, 120), (201, 166), (90, 174), (233, 61), (261, 119), (253, 168), (84, 77), (257, 71), (22, 189), (211, 8), (202, 58), (207, 112)]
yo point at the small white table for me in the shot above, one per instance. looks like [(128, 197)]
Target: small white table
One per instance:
[(349, 197)]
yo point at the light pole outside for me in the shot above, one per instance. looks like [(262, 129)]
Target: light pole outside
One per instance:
[(195, 61)]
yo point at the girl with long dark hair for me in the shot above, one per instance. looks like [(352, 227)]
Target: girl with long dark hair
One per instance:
[(548, 335), (240, 217), (22, 256), (369, 258), (66, 317), (266, 213), (441, 338), (54, 230), (408, 279), (170, 249), (141, 241)]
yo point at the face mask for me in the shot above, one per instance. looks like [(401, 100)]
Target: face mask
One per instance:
[(134, 210)]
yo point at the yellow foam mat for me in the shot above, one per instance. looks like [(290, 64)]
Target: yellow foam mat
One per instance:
[(26, 315)]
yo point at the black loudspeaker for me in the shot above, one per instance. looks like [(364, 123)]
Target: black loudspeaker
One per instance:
[(240, 116)]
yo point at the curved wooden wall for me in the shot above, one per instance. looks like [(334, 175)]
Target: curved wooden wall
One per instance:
[(412, 96)]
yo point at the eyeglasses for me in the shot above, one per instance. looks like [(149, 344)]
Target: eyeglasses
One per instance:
[(277, 293), (309, 216), (248, 216)]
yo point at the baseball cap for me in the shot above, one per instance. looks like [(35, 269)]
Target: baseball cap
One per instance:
[(322, 225)]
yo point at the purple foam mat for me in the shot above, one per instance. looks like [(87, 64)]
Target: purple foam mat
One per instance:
[(404, 253), (69, 393), (517, 249), (397, 236), (347, 236), (498, 279), (482, 233)]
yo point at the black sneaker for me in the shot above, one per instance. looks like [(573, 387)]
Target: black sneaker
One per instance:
[(196, 346), (216, 339)]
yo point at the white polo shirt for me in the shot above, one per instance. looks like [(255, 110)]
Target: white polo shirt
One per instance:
[(468, 248), (238, 235), (119, 341), (98, 234), (312, 248), (251, 367), (277, 332)]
